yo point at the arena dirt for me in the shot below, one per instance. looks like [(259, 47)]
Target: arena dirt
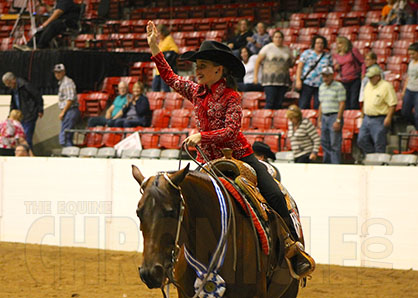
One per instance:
[(49, 271)]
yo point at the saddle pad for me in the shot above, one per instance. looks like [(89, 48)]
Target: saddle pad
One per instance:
[(259, 223)]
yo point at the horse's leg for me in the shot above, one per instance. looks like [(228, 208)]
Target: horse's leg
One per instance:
[(292, 290), (185, 277), (280, 282)]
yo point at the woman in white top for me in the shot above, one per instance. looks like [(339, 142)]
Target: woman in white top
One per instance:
[(277, 60), (248, 59), (410, 89)]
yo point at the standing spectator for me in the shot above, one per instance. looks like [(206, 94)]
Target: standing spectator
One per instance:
[(370, 59), (170, 50), (239, 40), (331, 108), (11, 133), (65, 15), (277, 59), (136, 112), (410, 89), (259, 39), (308, 73), (27, 99), (113, 110), (248, 59), (67, 103), (350, 64), (384, 18), (304, 138), (378, 108)]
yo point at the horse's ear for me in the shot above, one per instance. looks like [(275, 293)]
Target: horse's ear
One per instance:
[(179, 176), (137, 174)]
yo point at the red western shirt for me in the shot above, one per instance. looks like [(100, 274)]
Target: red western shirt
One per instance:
[(217, 109)]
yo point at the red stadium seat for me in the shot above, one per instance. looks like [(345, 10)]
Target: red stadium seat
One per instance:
[(372, 17), (160, 118), (397, 64), (306, 34), (400, 47), (367, 32), (82, 40), (252, 135), (111, 139), (173, 101), (408, 32), (297, 20), (353, 18), (310, 114), (150, 138), (246, 119), (156, 99), (261, 119), (280, 120), (180, 118), (412, 144), (330, 33), (382, 47), (273, 141), (362, 45), (251, 100), (351, 121), (350, 32), (389, 33), (315, 19), (171, 141), (395, 79), (94, 139)]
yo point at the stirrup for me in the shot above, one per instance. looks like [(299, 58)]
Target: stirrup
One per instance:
[(294, 254)]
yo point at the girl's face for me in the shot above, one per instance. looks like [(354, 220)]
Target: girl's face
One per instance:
[(277, 39), (244, 54), (413, 55), (136, 90), (369, 61), (207, 73), (319, 45)]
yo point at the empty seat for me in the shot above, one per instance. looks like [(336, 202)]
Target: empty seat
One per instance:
[(106, 152), (389, 32), (276, 141), (149, 138), (285, 156), (310, 114), (306, 34), (397, 64), (408, 32), (372, 17), (279, 120), (382, 47), (262, 119), (94, 139), (353, 18), (351, 120), (70, 151), (160, 118), (151, 153), (155, 99), (376, 159), (367, 33), (88, 152), (171, 141), (400, 47), (403, 160), (131, 153), (349, 32), (180, 118), (173, 101), (246, 119)]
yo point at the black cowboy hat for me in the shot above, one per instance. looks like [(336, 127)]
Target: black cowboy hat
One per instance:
[(217, 52), (264, 149)]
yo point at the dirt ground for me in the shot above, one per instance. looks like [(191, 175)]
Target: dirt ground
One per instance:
[(49, 271)]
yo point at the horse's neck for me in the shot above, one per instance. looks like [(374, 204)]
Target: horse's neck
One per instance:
[(202, 216)]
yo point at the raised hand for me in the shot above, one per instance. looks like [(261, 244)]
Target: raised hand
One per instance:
[(152, 36)]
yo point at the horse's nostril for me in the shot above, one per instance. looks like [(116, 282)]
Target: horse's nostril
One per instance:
[(153, 277), (157, 272)]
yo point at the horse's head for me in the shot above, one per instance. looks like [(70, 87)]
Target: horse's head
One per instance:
[(158, 212)]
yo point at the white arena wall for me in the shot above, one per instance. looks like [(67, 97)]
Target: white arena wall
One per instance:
[(352, 215)]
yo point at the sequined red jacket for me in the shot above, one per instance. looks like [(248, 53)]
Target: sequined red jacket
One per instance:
[(218, 112)]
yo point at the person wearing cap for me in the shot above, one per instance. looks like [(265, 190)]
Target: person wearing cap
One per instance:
[(332, 96), (27, 99), (378, 108), (218, 113), (264, 154), (67, 103)]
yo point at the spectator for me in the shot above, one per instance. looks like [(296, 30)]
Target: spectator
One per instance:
[(65, 15), (11, 133), (249, 63), (332, 97), (170, 50), (384, 19), (239, 40), (308, 73), (259, 39), (67, 103), (264, 154), (397, 15), (350, 65), (412, 16), (27, 99), (370, 60), (116, 106), (410, 89), (136, 112), (276, 59), (304, 138), (378, 108), (23, 150)]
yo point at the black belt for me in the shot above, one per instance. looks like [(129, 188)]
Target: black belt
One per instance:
[(329, 114), (376, 116)]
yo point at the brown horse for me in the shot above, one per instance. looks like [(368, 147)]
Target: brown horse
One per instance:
[(181, 209)]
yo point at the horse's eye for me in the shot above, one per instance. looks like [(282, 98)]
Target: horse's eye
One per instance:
[(170, 212)]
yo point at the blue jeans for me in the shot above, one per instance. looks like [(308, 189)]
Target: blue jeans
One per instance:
[(306, 95), (352, 89), (124, 122), (274, 96), (68, 122), (410, 101), (97, 121), (29, 128), (372, 135), (331, 139), (158, 84)]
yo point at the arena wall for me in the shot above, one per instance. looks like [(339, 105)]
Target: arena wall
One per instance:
[(352, 215)]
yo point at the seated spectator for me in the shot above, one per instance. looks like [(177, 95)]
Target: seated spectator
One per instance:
[(23, 150), (11, 133), (259, 39), (239, 40), (384, 19), (114, 109), (349, 63), (248, 81), (136, 112), (304, 138), (263, 153), (276, 59), (170, 50), (397, 15), (370, 59), (410, 89), (378, 109)]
